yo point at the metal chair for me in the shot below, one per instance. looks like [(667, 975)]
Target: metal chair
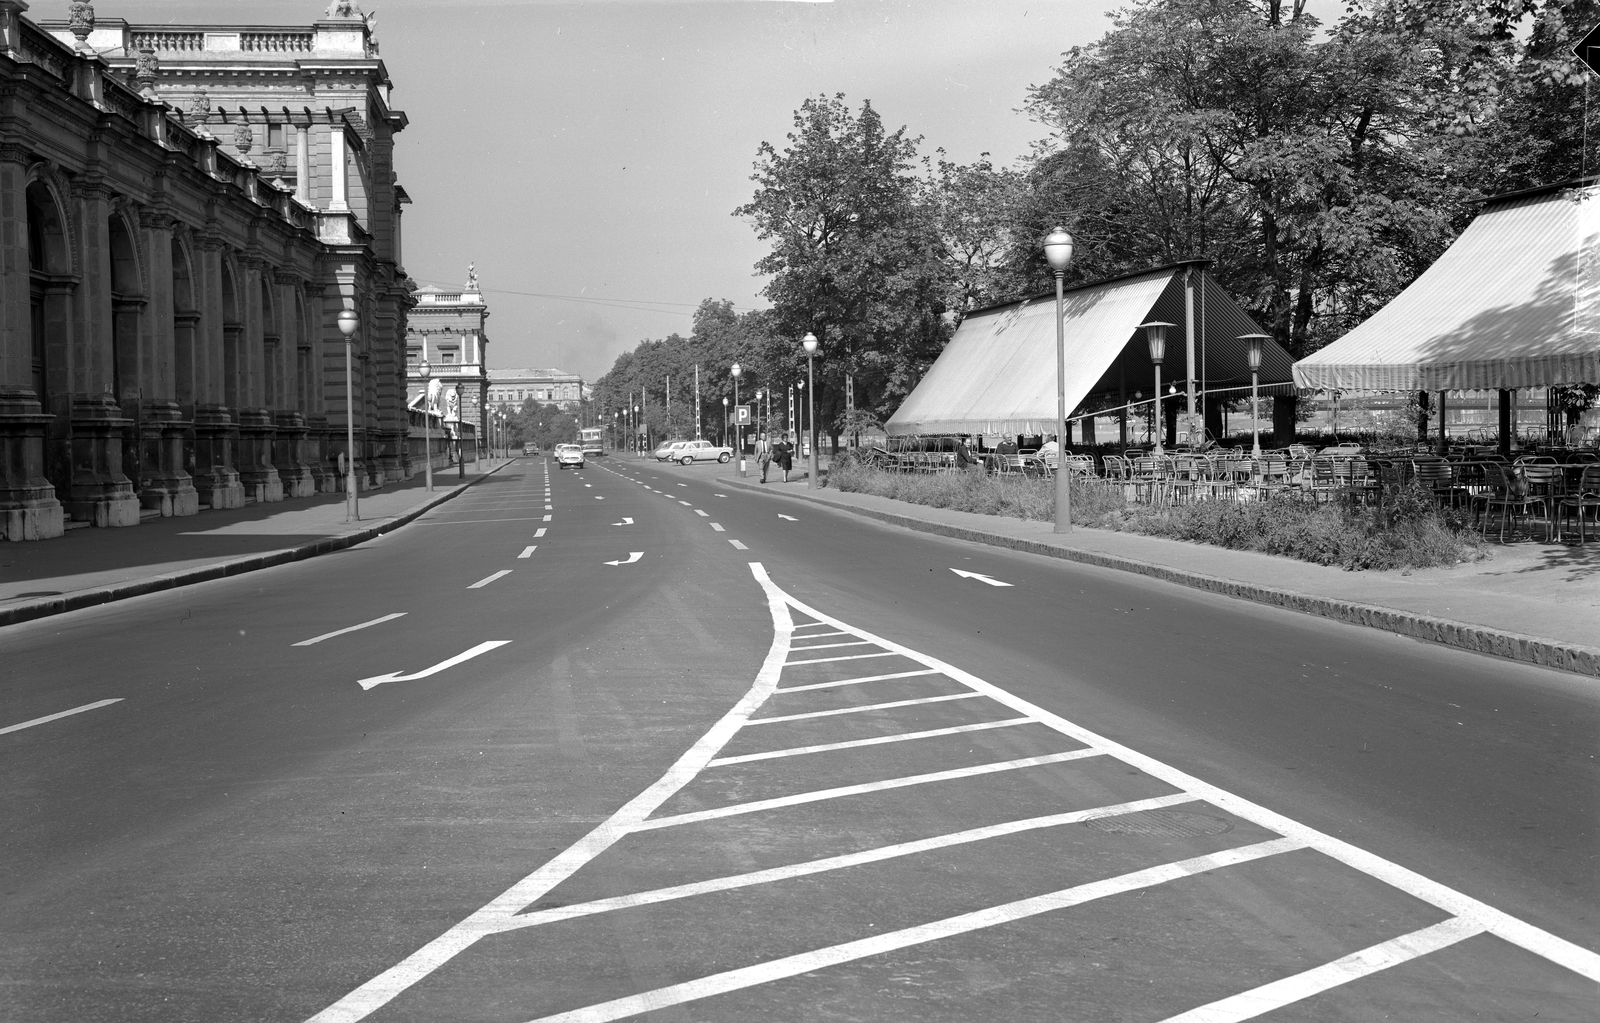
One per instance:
[(1585, 498)]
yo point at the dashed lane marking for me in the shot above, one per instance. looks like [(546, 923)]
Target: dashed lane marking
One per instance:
[(545, 519), (350, 628), (700, 513), (58, 715), (738, 545), (718, 527), (537, 533), (527, 552), (486, 580)]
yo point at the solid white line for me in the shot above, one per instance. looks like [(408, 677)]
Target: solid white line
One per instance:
[(738, 546), (481, 583), (817, 795), (818, 635), (353, 628), (830, 646), (1267, 997), (878, 944), (876, 740), (827, 863), (847, 657), (537, 533), (60, 714), (702, 514), (1502, 925), (858, 681), (862, 709), (527, 552), (812, 625), (383, 988), (718, 527), (463, 522)]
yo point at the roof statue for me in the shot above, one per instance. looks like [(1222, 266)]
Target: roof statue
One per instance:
[(344, 9), (472, 277)]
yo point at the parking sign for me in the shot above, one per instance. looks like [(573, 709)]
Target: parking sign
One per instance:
[(741, 415)]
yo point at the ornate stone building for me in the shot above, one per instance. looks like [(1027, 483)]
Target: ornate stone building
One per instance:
[(511, 387), (447, 328), (184, 211)]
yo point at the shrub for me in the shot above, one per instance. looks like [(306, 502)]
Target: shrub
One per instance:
[(1408, 531)]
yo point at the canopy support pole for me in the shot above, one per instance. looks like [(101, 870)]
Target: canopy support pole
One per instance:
[(1505, 422)]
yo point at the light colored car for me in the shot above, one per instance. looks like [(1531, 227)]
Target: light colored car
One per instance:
[(691, 451), (666, 451), (569, 454)]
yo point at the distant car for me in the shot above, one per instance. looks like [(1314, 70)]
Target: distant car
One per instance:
[(664, 451), (569, 454), (529, 450), (690, 451)]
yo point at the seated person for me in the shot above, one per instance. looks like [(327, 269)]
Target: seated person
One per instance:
[(1007, 446), (964, 457)]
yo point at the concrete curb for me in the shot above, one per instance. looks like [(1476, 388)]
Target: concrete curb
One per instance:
[(35, 609), (1583, 660)]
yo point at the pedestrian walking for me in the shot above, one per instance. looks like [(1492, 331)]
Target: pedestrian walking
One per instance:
[(763, 455), (784, 455)]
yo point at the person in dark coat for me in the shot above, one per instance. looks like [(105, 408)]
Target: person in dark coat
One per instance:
[(783, 454)]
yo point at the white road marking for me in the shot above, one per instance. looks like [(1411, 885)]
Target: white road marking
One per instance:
[(625, 522), (527, 552), (683, 484), (791, 518), (549, 507), (819, 635), (858, 681), (463, 522), (980, 577), (738, 545), (632, 557), (877, 855), (862, 709), (19, 726), (352, 628), (864, 788), (878, 944), (876, 740), (465, 655), (719, 495), (684, 503), (700, 513), (486, 580), (382, 989), (1279, 993), (718, 527), (810, 625), (846, 657), (598, 497), (830, 646), (546, 518), (537, 533)]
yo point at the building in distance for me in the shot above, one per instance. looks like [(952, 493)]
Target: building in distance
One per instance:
[(514, 386), (447, 327)]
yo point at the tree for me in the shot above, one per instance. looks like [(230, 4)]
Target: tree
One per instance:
[(855, 254)]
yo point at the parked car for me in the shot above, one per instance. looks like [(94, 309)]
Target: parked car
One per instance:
[(569, 454), (664, 451), (690, 451)]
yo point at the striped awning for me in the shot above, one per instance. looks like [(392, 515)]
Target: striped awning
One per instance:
[(1512, 303), (997, 376)]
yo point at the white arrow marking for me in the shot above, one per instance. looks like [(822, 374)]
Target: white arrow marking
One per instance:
[(791, 518), (466, 655), (632, 557), (625, 522), (980, 578)]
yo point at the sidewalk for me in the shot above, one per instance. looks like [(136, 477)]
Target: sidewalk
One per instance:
[(1528, 602), (92, 566)]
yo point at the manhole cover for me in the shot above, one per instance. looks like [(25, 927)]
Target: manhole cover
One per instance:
[(1164, 823)]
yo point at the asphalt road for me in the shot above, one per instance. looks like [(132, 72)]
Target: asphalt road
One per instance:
[(1081, 795)]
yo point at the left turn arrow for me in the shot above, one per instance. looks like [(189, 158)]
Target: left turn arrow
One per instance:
[(466, 655), (632, 557)]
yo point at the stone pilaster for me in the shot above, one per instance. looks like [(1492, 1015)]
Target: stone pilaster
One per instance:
[(318, 454), (164, 486), (215, 478), (288, 455), (28, 506), (101, 494), (261, 481)]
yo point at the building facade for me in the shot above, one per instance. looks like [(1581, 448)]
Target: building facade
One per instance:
[(514, 386), (448, 329), (184, 212)]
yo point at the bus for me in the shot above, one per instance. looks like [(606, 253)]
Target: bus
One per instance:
[(590, 438)]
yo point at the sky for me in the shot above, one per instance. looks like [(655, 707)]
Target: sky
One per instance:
[(587, 156)]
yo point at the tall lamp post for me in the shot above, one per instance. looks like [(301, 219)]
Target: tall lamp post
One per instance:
[(1254, 354), (461, 448), (738, 427), (423, 371), (724, 420), (809, 343), (800, 416), (349, 323), (1155, 332), (1058, 253)]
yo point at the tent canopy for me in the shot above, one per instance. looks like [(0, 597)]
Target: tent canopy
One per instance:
[(997, 375), (1510, 304)]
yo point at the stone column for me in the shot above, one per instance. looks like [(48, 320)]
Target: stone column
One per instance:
[(101, 494), (215, 478), (164, 440), (317, 454), (28, 506), (340, 200), (288, 457)]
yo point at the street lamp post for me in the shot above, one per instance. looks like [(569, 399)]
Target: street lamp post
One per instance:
[(1155, 333), (1254, 355), (349, 323), (738, 427), (800, 416), (809, 343), (461, 448), (423, 371), (1058, 253), (724, 420)]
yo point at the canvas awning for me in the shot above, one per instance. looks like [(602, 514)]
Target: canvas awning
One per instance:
[(1510, 304), (997, 376)]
